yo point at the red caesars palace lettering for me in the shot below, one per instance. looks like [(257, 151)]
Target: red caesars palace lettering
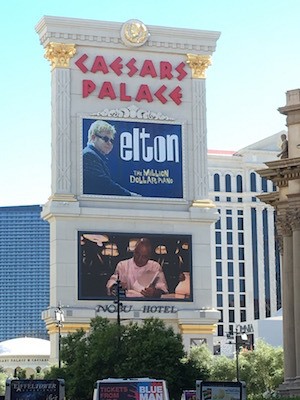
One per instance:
[(106, 89)]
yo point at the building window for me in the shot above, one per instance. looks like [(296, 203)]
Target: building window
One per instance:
[(230, 268), (229, 237), (239, 184), (240, 238), (217, 198), (219, 285), (241, 269), (255, 263), (240, 212), (228, 212), (216, 182), (228, 199), (240, 199), (220, 330), (253, 182), (231, 301), (229, 253), (231, 315), (264, 184), (219, 268), (218, 237), (219, 253), (229, 223), (241, 253), (243, 315), (230, 285), (242, 286), (266, 262), (227, 183), (221, 317), (240, 223), (242, 300), (219, 300), (218, 224)]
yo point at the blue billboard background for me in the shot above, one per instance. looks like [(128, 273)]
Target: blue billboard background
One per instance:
[(146, 158)]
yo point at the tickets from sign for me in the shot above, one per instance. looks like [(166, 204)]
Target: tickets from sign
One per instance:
[(131, 390)]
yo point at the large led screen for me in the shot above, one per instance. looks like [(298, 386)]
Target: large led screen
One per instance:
[(147, 266), (125, 158)]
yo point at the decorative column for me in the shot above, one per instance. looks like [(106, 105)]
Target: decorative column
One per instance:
[(285, 230), (59, 54), (295, 223), (199, 64)]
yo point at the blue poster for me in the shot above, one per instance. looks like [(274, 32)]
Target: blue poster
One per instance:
[(125, 158)]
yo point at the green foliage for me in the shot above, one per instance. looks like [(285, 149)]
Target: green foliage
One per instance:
[(132, 351), (3, 377), (223, 369), (20, 373), (201, 358), (153, 350), (261, 369)]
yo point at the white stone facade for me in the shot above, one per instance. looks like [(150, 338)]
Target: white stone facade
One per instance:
[(245, 259), (70, 211)]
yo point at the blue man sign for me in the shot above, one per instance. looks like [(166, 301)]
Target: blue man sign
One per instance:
[(126, 158)]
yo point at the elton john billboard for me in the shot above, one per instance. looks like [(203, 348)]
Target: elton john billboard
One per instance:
[(147, 266), (126, 158)]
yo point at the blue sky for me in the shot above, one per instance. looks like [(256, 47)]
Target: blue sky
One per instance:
[(257, 60)]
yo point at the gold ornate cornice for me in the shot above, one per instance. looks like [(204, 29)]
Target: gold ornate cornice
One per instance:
[(204, 203), (199, 64), (197, 329), (67, 327), (59, 54)]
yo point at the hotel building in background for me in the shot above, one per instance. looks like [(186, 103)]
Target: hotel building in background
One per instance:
[(24, 272), (245, 256)]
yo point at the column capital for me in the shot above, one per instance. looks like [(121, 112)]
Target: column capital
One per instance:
[(294, 217), (198, 63), (59, 54), (283, 224), (283, 228)]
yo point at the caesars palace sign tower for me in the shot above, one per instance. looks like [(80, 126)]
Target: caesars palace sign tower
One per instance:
[(129, 191)]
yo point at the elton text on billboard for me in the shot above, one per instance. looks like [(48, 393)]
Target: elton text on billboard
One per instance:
[(126, 158)]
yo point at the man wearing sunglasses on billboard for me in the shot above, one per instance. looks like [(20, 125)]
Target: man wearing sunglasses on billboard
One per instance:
[(97, 179)]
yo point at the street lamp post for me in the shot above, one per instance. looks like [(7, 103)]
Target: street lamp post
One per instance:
[(119, 293), (237, 352), (234, 335), (60, 318)]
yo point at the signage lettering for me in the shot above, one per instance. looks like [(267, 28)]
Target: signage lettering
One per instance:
[(245, 328), (135, 146), (143, 93), (112, 308), (132, 68), (151, 393), (166, 70)]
